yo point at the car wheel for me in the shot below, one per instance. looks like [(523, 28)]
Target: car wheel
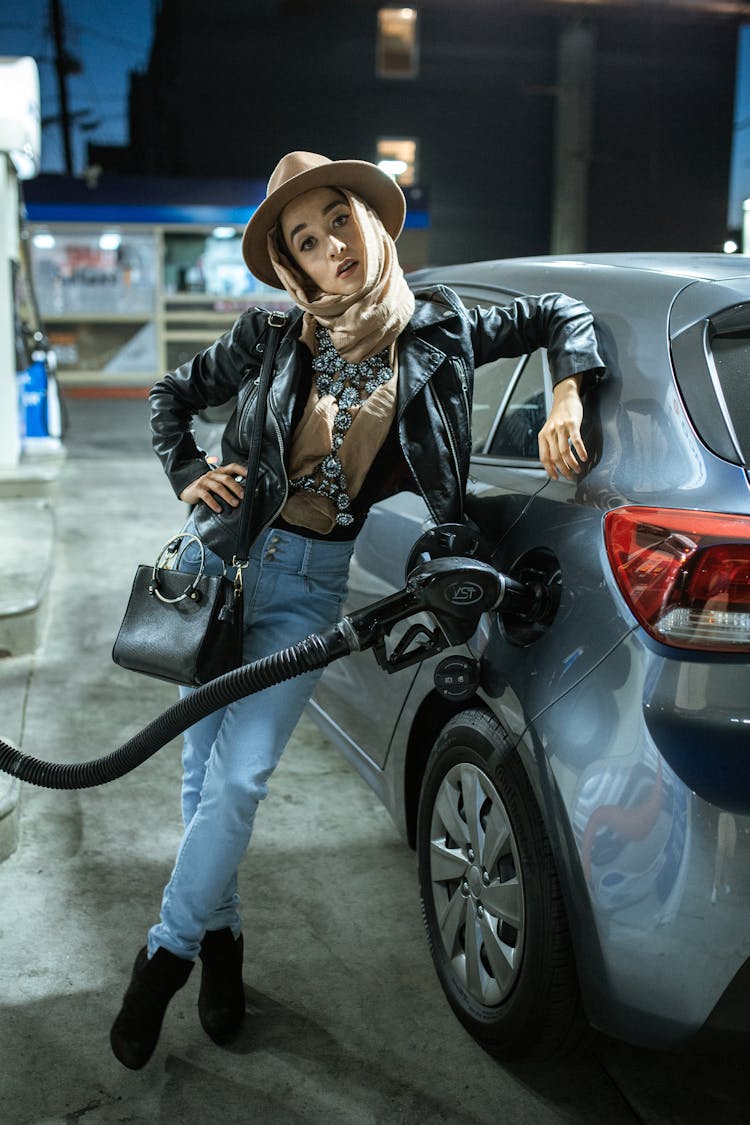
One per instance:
[(491, 898)]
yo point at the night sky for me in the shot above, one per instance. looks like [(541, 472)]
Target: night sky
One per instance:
[(109, 38), (112, 37)]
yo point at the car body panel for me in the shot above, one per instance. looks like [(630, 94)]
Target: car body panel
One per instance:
[(645, 843), (378, 568), (635, 750)]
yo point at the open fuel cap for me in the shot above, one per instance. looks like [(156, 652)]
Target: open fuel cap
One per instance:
[(447, 540)]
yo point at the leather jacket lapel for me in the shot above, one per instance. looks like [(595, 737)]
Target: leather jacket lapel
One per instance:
[(418, 360)]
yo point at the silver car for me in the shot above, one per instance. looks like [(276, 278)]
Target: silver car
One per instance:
[(579, 803)]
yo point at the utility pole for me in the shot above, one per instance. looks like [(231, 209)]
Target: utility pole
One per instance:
[(573, 129), (63, 68)]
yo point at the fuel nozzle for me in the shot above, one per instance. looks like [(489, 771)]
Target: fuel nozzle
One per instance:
[(453, 592), (463, 550), (457, 591)]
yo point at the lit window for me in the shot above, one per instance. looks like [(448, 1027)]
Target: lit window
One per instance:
[(397, 52), (398, 157)]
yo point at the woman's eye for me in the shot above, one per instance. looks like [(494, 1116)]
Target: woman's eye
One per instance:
[(341, 220), (307, 244)]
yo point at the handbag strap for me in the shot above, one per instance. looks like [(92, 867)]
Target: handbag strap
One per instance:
[(276, 321)]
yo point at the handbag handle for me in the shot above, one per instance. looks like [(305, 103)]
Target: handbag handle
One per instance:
[(190, 591), (276, 321)]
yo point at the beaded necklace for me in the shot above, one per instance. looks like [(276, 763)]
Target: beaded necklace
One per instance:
[(350, 384)]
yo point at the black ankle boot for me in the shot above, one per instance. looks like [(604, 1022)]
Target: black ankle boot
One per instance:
[(153, 983), (221, 1001)]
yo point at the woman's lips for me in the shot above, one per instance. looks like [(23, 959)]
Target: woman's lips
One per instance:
[(346, 267)]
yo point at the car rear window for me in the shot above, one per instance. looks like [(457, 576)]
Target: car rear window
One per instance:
[(711, 358), (731, 356)]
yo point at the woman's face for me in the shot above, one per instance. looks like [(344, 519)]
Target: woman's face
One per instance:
[(324, 240)]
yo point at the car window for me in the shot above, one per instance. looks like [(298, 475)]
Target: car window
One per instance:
[(711, 358), (731, 354), (491, 382), (524, 414), (511, 385)]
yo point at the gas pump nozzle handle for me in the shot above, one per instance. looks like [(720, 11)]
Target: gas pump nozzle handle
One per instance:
[(455, 591)]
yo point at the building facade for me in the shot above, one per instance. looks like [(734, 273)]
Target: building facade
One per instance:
[(530, 126)]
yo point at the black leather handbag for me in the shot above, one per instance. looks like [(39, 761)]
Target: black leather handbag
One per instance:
[(187, 628)]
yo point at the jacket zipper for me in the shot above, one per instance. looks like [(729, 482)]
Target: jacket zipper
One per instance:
[(461, 371), (251, 396)]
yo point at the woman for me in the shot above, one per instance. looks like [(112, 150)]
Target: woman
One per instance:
[(371, 394)]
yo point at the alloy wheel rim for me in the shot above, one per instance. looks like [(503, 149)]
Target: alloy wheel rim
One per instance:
[(477, 886)]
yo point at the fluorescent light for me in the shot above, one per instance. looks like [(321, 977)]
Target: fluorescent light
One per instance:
[(392, 167), (223, 232), (44, 240), (110, 240)]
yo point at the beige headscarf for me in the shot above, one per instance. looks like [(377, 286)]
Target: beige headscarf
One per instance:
[(361, 324)]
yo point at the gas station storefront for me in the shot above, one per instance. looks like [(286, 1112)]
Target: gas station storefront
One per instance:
[(124, 302), (128, 290)]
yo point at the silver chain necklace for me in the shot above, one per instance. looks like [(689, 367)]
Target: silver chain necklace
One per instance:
[(350, 384)]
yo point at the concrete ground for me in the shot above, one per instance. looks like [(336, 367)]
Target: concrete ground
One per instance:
[(346, 1022)]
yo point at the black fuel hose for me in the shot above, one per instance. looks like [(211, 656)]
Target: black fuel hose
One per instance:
[(315, 651), (457, 590)]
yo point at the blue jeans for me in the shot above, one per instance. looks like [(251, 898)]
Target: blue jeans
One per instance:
[(293, 586)]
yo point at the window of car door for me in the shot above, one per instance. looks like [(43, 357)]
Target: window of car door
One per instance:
[(515, 435), (510, 403)]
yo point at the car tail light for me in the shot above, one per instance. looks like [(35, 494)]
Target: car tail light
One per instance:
[(684, 574)]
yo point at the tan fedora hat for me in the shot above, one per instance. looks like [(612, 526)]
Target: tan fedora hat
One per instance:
[(298, 172)]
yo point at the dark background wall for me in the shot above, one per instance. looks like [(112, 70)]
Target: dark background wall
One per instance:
[(227, 93), (663, 117)]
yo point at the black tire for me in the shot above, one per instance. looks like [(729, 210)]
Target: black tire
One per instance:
[(514, 986)]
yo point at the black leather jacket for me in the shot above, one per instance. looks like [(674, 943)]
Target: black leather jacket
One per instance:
[(437, 353)]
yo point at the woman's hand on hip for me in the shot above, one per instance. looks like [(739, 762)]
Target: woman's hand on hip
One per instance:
[(217, 485), (560, 435)]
